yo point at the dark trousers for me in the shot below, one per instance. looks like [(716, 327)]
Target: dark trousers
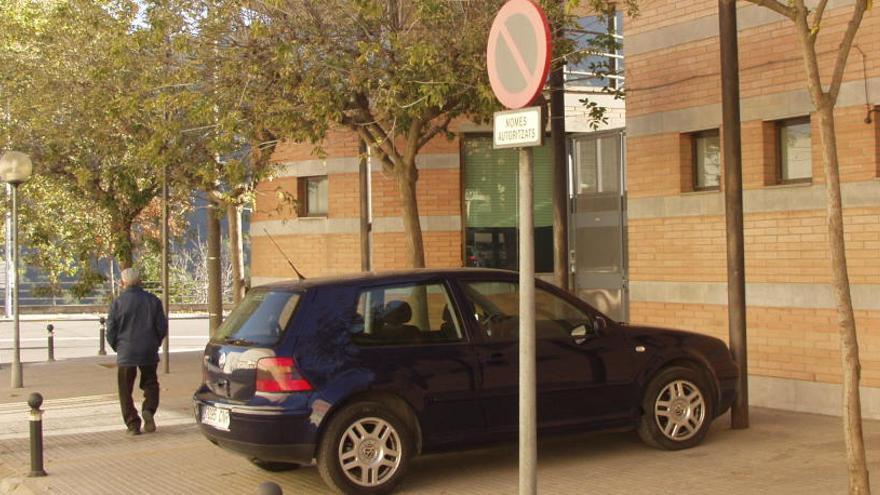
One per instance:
[(149, 384)]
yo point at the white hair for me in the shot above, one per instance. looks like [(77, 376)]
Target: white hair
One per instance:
[(130, 277)]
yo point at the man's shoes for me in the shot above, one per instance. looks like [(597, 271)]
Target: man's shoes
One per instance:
[(149, 422), (133, 431)]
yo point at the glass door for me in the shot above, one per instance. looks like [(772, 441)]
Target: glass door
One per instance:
[(597, 243)]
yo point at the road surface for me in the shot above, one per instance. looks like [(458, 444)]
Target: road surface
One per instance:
[(77, 336)]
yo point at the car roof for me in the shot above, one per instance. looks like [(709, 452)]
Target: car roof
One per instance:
[(390, 276)]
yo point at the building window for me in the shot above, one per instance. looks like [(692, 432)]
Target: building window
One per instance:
[(598, 164), (491, 205), (601, 39), (313, 196), (706, 157), (794, 150)]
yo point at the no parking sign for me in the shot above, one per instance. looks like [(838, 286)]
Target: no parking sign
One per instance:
[(518, 53), (518, 60)]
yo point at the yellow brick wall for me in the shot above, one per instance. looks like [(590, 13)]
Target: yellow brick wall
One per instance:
[(782, 247), (782, 342), (687, 75), (438, 193)]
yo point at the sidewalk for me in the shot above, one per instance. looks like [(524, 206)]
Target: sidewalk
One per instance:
[(87, 451)]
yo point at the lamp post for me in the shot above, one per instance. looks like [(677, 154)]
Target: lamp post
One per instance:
[(15, 170)]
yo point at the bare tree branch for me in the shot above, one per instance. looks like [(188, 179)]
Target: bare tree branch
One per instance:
[(808, 42), (845, 45), (817, 15), (364, 133), (434, 130), (776, 6)]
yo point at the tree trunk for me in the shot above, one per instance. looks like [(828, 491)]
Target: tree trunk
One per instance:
[(406, 182), (849, 345), (560, 169), (122, 244), (236, 254), (215, 284)]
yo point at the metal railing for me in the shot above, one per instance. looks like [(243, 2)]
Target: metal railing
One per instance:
[(61, 295)]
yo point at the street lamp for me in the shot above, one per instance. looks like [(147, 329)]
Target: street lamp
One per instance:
[(15, 169)]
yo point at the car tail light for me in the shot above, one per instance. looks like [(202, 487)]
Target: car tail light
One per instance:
[(279, 374)]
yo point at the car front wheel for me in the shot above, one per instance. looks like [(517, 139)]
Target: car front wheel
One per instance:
[(365, 450), (677, 409)]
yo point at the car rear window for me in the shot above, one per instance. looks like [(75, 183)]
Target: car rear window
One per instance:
[(259, 320)]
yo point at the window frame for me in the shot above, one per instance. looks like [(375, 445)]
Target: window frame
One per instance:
[(451, 297), (480, 334), (615, 79), (695, 172), (780, 124), (303, 195), (463, 202), (222, 335)]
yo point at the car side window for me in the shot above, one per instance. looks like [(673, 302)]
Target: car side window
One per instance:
[(405, 314), (496, 310)]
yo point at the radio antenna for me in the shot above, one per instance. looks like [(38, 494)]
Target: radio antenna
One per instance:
[(298, 274)]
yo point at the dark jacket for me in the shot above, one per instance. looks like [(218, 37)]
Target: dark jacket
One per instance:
[(136, 327)]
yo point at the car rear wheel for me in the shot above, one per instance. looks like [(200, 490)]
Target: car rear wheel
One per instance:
[(365, 450), (274, 466), (677, 409)]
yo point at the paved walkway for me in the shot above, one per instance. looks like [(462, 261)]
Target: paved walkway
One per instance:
[(88, 453)]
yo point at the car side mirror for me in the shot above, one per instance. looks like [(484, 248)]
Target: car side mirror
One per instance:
[(601, 323), (580, 333)]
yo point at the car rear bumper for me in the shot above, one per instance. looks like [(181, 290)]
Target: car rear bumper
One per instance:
[(269, 436)]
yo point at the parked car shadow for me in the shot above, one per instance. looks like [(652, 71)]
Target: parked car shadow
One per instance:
[(558, 452)]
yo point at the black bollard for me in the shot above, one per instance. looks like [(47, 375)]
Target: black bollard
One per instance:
[(51, 330), (102, 351), (269, 488), (35, 401)]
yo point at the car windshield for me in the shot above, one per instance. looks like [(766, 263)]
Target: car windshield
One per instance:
[(260, 319)]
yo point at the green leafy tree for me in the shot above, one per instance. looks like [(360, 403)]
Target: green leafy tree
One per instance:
[(73, 100), (396, 73)]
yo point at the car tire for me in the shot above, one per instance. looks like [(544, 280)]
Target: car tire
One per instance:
[(274, 466), (677, 409), (364, 450)]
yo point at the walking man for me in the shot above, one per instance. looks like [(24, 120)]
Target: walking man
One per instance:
[(136, 327)]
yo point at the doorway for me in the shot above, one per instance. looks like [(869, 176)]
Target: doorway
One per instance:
[(597, 228)]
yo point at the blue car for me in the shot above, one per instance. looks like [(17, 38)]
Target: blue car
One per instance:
[(358, 374)]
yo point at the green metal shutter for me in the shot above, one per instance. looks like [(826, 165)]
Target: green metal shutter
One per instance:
[(490, 185)]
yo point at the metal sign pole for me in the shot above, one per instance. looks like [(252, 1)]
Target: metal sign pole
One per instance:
[(528, 437), (521, 51), (166, 295)]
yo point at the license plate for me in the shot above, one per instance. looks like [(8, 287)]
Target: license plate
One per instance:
[(218, 418)]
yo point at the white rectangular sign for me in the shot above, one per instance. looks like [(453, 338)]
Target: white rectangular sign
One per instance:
[(518, 128)]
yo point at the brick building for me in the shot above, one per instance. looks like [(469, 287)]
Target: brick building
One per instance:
[(647, 237), (677, 264)]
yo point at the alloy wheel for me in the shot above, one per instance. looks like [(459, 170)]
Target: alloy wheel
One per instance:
[(370, 452), (680, 410)]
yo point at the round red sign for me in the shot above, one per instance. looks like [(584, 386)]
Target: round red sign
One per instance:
[(518, 53)]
